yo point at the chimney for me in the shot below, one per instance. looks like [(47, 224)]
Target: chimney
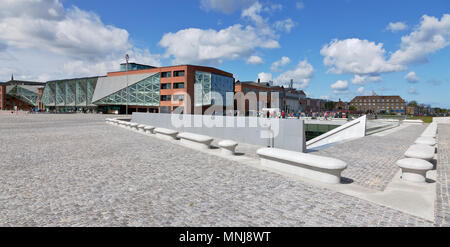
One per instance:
[(259, 80)]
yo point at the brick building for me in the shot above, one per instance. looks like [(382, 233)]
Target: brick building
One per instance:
[(21, 95), (313, 105), (379, 104), (289, 99), (163, 89)]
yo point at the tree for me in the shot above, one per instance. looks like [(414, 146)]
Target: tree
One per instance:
[(352, 108), (413, 103), (329, 105)]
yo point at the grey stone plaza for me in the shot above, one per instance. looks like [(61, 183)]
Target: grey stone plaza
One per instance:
[(75, 170)]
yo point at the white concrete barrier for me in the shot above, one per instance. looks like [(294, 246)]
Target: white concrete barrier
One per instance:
[(228, 147), (149, 130), (430, 141), (420, 151), (413, 121), (414, 170), (133, 126), (123, 124), (141, 127), (430, 131), (323, 169), (195, 140), (166, 134)]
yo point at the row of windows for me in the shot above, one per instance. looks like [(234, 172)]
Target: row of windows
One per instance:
[(177, 85), (169, 97), (396, 107), (377, 104), (167, 109), (246, 90), (168, 74), (377, 100)]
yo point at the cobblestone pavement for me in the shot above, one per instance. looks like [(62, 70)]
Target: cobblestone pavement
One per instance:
[(443, 174), (371, 160), (78, 171)]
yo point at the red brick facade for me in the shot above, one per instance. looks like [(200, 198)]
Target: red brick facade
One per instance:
[(188, 79)]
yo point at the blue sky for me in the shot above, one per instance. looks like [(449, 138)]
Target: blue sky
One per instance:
[(331, 48)]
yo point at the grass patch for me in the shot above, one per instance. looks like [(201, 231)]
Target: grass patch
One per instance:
[(424, 119)]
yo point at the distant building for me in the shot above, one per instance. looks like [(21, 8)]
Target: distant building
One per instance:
[(143, 88), (259, 88), (379, 104), (313, 105), (340, 106), (21, 95), (412, 110), (292, 100), (289, 99)]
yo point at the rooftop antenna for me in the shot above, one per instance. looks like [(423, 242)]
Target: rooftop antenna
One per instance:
[(291, 85)]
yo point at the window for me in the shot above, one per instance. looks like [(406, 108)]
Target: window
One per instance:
[(178, 73), (166, 74), (178, 97), (165, 85), (165, 109), (178, 85), (165, 97)]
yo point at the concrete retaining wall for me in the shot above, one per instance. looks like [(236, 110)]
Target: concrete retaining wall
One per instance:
[(286, 133)]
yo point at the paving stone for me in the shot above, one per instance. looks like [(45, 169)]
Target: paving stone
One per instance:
[(75, 170), (371, 159)]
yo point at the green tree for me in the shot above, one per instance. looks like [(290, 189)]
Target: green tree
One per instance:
[(413, 103)]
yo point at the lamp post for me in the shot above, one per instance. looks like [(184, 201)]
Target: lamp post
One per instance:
[(127, 58)]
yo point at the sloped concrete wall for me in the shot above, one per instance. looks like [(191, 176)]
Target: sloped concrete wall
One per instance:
[(350, 130)]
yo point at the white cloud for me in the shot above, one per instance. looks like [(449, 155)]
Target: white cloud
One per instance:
[(360, 90), (396, 26), (212, 47), (368, 60), (300, 5), (45, 40), (430, 36), (301, 75), (412, 90), (339, 86), (412, 77), (253, 13), (364, 79), (282, 62), (355, 56), (285, 25), (255, 60), (265, 77), (225, 6)]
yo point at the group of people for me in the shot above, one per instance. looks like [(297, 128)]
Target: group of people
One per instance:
[(283, 114)]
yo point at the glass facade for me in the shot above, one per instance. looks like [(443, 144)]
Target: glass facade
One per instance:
[(205, 83), (69, 93), (134, 66), (24, 94), (142, 93)]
